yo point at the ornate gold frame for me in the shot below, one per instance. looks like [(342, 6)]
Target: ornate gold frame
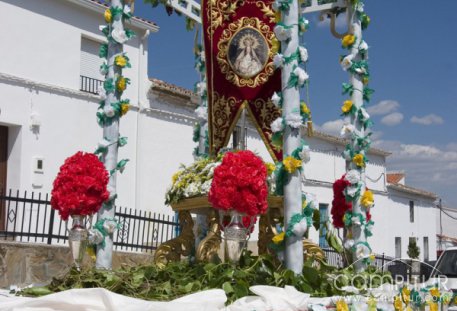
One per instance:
[(224, 43)]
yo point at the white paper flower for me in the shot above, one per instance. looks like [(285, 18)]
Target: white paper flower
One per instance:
[(360, 6), (119, 35), (278, 60), (362, 251), (277, 125), (102, 27), (353, 176), (109, 226), (300, 228), (303, 53), (351, 190), (201, 113), (202, 56), (361, 70), (103, 70), (109, 111), (305, 154), (127, 9), (282, 33), (356, 221), (201, 88), (102, 93), (276, 99), (95, 236), (294, 120), (348, 243), (346, 63), (363, 46), (364, 113), (347, 130), (301, 74)]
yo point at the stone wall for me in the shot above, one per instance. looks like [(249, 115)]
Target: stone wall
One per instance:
[(29, 263)]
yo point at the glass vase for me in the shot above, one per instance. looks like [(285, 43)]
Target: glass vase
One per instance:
[(78, 238), (236, 236)]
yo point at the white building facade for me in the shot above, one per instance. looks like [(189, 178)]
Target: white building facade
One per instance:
[(48, 83)]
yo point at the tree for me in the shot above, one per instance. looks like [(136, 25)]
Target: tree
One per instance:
[(413, 250)]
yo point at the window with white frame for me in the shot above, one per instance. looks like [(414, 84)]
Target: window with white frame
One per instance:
[(90, 77)]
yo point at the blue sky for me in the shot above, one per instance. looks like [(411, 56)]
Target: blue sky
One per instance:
[(413, 63)]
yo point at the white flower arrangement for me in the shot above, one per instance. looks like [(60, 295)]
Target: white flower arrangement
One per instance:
[(303, 54), (276, 99), (347, 130), (282, 33), (348, 243), (201, 88), (363, 46), (300, 228), (202, 113), (305, 154), (347, 155), (351, 191), (102, 93), (278, 60), (301, 75), (353, 176), (119, 35), (108, 110), (364, 113), (346, 63), (277, 125), (294, 120), (95, 236), (109, 226)]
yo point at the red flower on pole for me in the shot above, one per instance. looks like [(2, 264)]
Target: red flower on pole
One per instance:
[(339, 204), (240, 183), (80, 187)]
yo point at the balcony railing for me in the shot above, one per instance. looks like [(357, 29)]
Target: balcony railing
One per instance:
[(90, 85)]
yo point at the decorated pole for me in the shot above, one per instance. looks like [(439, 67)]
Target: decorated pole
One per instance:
[(356, 128), (112, 107), (294, 113)]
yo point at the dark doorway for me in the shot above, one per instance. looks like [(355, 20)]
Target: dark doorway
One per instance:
[(3, 166)]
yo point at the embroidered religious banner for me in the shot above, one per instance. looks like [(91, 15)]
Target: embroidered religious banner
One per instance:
[(239, 49)]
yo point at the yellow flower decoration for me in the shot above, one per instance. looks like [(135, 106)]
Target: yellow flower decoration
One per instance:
[(348, 40), (275, 46), (304, 108), (304, 203), (341, 305), (108, 16), (358, 160), (277, 16), (372, 257), (121, 84), (398, 304), (175, 177), (124, 109), (405, 294), (372, 304), (120, 61), (435, 292), (433, 306), (270, 168), (347, 106), (291, 164), (365, 80), (277, 239), (367, 199), (408, 308)]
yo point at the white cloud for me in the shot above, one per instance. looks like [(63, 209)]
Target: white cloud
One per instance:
[(392, 119), (383, 107), (340, 23), (427, 167), (427, 120), (332, 127), (376, 135)]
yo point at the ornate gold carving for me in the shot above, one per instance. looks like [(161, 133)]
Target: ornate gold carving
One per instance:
[(312, 250), (220, 11), (267, 229), (266, 10), (220, 119), (209, 247), (182, 245), (223, 47)]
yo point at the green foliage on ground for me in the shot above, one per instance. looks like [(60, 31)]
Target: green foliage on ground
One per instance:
[(179, 279)]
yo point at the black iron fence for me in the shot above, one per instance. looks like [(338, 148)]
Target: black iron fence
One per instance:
[(90, 85), (381, 261), (28, 217)]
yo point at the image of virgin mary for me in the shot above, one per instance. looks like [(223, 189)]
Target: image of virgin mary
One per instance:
[(247, 59)]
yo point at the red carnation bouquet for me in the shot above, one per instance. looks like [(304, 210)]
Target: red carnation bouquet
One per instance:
[(339, 204), (240, 183), (80, 186)]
